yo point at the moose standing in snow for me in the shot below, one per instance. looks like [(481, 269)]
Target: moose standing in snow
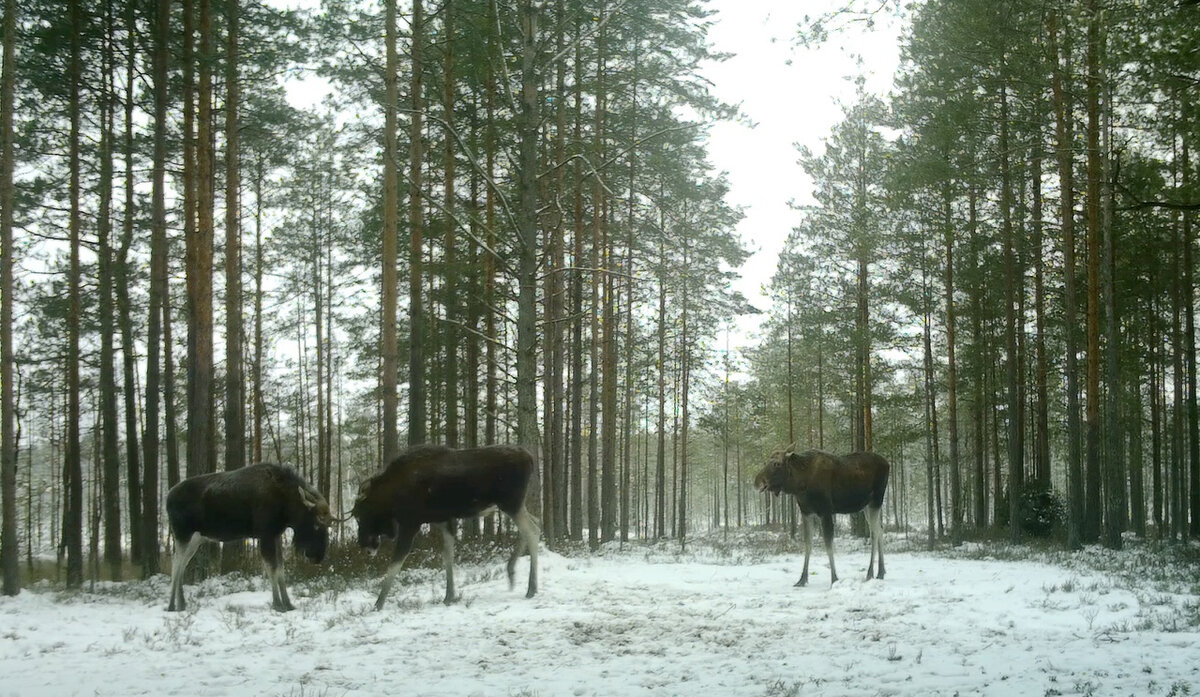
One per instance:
[(825, 484), (257, 501), (435, 484)]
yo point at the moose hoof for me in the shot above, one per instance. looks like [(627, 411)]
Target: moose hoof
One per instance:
[(801, 583), (531, 592)]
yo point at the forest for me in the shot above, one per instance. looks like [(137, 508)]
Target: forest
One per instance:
[(501, 225)]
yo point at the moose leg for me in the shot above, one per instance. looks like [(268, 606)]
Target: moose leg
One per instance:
[(875, 522), (807, 532), (271, 549), (528, 531), (404, 540), (448, 561), (827, 533), (183, 555)]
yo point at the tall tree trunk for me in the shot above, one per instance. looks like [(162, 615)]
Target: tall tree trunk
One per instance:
[(527, 246), (1066, 168), (416, 308), (391, 207), (1041, 438), (259, 407), (1011, 289), (685, 375), (956, 487), (631, 329), (577, 316), (979, 407), (235, 400), (1189, 307), (556, 281), (72, 532), (133, 473), (109, 448), (1093, 510), (599, 207), (235, 386), (450, 331), (201, 443), (1135, 415), (660, 488), (1115, 510), (9, 558), (158, 283)]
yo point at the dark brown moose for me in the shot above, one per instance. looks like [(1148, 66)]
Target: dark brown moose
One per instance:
[(825, 484), (436, 485), (257, 501)]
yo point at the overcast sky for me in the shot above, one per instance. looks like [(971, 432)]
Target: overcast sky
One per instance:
[(792, 96)]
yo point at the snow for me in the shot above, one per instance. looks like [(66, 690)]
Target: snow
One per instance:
[(719, 619)]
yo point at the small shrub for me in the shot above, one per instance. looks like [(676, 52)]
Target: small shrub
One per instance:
[(1041, 510)]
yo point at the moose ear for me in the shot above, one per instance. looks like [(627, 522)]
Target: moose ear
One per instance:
[(790, 449)]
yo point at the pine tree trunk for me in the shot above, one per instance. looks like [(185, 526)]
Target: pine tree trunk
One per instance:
[(109, 448), (9, 557), (72, 533), (391, 206), (450, 250), (577, 317), (235, 415), (1189, 313), (158, 283), (133, 474), (416, 311), (956, 488), (527, 245), (660, 487), (235, 401), (259, 407), (685, 379), (1115, 489), (199, 267), (1011, 289), (1041, 439), (1066, 169), (1093, 506)]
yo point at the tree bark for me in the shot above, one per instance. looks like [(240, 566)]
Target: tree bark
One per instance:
[(9, 552), (416, 308), (199, 266), (391, 205), (133, 472), (1093, 507), (1011, 288), (109, 448), (527, 245), (1066, 168), (72, 533), (158, 283), (450, 331), (235, 386)]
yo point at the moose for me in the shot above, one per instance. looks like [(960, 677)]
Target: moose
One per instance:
[(825, 484), (257, 501), (437, 485)]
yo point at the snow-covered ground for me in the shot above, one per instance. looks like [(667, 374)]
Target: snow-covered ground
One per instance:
[(717, 620)]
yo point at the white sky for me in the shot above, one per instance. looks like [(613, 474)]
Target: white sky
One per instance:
[(792, 95)]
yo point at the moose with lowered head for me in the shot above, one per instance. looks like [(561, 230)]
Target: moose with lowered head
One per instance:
[(437, 485), (257, 501), (825, 484)]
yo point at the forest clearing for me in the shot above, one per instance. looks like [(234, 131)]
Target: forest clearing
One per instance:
[(642, 246), (721, 618)]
